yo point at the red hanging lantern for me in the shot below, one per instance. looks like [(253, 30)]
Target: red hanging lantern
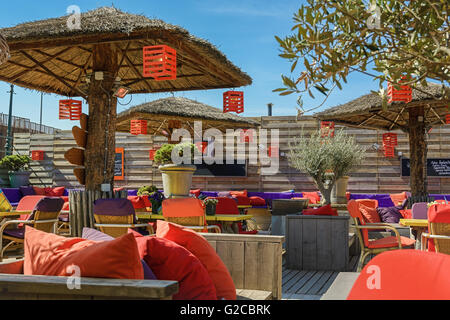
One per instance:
[(404, 94), (233, 101), (390, 141), (37, 155), (152, 154), (202, 146), (274, 152), (327, 128), (160, 62), (70, 109), (447, 118), (389, 152), (247, 136), (138, 127)]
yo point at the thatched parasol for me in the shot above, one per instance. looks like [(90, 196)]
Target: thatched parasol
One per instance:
[(160, 113), (49, 56), (427, 108), (4, 50)]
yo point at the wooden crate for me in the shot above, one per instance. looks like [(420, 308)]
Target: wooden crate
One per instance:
[(317, 243)]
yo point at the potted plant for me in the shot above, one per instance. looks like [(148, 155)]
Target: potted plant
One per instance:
[(210, 206), (154, 196), (17, 165), (326, 159), (176, 174)]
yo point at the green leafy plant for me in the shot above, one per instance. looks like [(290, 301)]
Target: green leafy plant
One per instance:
[(164, 154), (147, 190), (208, 202), (325, 158), (15, 162)]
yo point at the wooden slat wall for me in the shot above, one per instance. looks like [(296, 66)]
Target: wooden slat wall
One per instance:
[(376, 175)]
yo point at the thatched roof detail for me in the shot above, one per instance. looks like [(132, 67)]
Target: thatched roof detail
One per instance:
[(159, 112), (366, 111), (67, 54)]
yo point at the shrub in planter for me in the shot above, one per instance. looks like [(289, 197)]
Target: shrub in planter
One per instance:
[(17, 166), (210, 206)]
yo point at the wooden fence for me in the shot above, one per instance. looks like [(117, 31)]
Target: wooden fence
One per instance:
[(376, 175)]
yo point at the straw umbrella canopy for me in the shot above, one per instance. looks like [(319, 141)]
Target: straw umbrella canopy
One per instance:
[(428, 108), (176, 112), (49, 56)]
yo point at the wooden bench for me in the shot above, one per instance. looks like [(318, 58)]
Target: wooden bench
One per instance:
[(23, 287), (254, 262)]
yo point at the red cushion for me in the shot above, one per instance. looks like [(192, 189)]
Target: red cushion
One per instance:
[(226, 206), (65, 198), (137, 202), (404, 275), (406, 213), (55, 192), (170, 261), (242, 201), (200, 247), (12, 268), (389, 242), (39, 191), (313, 197), (242, 193), (370, 215), (398, 198), (322, 211), (257, 201), (66, 207), (196, 192), (119, 189), (50, 254)]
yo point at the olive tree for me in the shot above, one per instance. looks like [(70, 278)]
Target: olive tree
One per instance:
[(325, 158)]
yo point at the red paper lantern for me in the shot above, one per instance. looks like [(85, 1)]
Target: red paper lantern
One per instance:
[(327, 128), (138, 127), (274, 152), (160, 62), (37, 155), (202, 146), (233, 101), (447, 118), (390, 139), (389, 152), (404, 94), (152, 154), (247, 136), (70, 109)]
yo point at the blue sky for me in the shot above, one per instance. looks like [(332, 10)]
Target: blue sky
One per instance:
[(243, 30)]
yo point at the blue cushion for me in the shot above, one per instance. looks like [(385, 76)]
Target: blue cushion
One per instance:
[(12, 194), (132, 193), (27, 191)]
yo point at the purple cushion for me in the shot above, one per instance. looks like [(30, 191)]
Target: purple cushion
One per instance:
[(209, 194), (389, 214), (113, 207), (27, 191), (224, 194), (12, 194), (132, 193), (49, 204), (95, 235), (16, 233)]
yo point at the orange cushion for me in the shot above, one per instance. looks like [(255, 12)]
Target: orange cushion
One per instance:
[(406, 214), (398, 198), (12, 268), (389, 242), (370, 215), (39, 191), (322, 211), (242, 193), (313, 197), (404, 275), (200, 247), (257, 201), (50, 254), (170, 261)]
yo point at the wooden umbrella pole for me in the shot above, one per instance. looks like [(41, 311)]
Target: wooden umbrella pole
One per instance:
[(102, 118), (418, 151)]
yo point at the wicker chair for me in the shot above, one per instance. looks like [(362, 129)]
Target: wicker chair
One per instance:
[(115, 216), (439, 229), (374, 246), (187, 212), (44, 217)]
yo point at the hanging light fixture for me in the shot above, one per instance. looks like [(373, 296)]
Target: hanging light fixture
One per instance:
[(390, 141), (247, 136), (327, 129), (404, 94), (233, 101), (37, 155), (70, 109), (160, 62), (138, 127)]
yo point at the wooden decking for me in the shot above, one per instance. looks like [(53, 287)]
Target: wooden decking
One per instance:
[(309, 285)]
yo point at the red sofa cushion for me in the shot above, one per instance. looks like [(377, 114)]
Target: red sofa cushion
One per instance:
[(200, 247), (313, 197), (137, 202), (242, 193), (196, 192), (242, 201), (369, 214), (257, 201), (51, 255), (170, 261), (322, 211)]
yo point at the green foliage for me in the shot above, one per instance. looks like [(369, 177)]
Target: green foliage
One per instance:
[(333, 39), (164, 154), (326, 159), (147, 190), (15, 162), (207, 202)]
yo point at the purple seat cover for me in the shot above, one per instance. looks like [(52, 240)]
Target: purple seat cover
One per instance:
[(16, 233), (12, 194), (27, 191), (132, 193), (420, 210), (114, 207)]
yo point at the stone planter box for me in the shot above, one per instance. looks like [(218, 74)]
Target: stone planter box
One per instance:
[(317, 243)]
